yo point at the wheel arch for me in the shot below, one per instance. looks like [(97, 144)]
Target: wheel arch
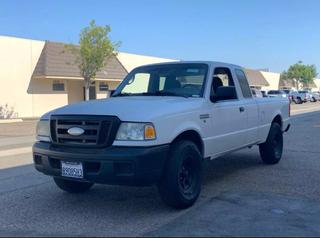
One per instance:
[(193, 136), (278, 119)]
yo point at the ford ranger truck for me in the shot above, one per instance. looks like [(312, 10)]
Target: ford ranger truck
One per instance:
[(160, 124)]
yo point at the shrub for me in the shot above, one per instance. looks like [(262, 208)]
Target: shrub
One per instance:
[(6, 112)]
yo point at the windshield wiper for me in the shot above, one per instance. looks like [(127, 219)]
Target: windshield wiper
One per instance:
[(122, 94), (156, 93)]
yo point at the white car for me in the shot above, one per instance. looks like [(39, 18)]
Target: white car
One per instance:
[(157, 128), (315, 96), (277, 93)]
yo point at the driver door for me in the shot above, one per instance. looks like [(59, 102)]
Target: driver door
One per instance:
[(228, 117)]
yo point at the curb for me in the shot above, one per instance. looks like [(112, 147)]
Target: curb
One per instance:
[(3, 121)]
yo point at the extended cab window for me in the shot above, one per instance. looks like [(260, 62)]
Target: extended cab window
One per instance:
[(244, 85), (186, 80), (222, 87)]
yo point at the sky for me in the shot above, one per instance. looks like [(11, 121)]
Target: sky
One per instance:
[(257, 34)]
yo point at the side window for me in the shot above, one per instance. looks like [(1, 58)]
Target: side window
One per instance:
[(223, 78), (243, 84), (161, 82)]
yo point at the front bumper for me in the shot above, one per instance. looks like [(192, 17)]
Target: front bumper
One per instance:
[(137, 166)]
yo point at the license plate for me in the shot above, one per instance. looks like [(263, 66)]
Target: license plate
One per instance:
[(71, 169)]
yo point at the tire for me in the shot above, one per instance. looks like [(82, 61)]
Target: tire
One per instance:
[(72, 186), (180, 184), (271, 150), (313, 99), (298, 101)]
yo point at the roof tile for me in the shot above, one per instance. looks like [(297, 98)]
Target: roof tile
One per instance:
[(256, 78), (55, 60)]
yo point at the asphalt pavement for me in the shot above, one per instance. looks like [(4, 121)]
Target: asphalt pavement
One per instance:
[(240, 196)]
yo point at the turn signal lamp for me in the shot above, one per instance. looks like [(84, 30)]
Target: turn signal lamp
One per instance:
[(149, 132)]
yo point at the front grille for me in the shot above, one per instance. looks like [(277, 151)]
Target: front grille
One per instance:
[(99, 131)]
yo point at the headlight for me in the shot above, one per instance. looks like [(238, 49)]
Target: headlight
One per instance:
[(43, 131), (136, 131)]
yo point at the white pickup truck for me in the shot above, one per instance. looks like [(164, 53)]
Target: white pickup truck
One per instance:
[(157, 128)]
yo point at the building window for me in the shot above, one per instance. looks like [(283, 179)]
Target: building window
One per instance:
[(57, 85), (103, 86)]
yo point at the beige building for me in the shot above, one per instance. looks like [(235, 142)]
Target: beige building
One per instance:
[(275, 83), (273, 80), (317, 83), (38, 76), (256, 79)]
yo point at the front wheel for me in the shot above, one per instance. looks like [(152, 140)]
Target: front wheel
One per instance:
[(271, 150), (298, 101), (181, 182), (72, 186)]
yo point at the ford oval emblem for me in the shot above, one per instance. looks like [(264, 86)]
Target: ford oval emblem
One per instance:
[(75, 131)]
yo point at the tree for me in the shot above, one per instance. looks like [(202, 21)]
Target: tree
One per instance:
[(300, 74), (93, 52)]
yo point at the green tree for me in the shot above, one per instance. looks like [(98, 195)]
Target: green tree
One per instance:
[(300, 73), (93, 52)]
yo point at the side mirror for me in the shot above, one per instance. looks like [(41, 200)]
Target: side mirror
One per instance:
[(224, 93), (214, 98)]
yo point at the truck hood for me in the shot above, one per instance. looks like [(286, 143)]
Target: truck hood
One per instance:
[(133, 108)]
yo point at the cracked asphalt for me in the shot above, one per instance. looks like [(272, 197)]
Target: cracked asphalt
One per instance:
[(240, 196)]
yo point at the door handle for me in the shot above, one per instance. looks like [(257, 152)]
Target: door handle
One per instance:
[(241, 109)]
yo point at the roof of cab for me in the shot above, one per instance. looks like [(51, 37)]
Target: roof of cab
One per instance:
[(211, 63)]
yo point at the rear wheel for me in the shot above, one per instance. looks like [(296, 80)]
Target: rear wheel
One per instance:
[(298, 101), (72, 186), (271, 150), (181, 182)]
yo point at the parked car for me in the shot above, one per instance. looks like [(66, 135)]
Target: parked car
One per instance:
[(157, 128), (305, 95), (277, 93), (256, 93), (296, 97), (315, 96)]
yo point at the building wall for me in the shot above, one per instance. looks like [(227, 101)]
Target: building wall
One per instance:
[(75, 91), (273, 80), (317, 82), (130, 61), (104, 94), (44, 98), (18, 59)]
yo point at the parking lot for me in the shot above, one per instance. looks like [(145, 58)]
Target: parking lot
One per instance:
[(240, 196)]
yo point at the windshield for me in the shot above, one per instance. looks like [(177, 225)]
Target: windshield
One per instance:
[(185, 80)]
